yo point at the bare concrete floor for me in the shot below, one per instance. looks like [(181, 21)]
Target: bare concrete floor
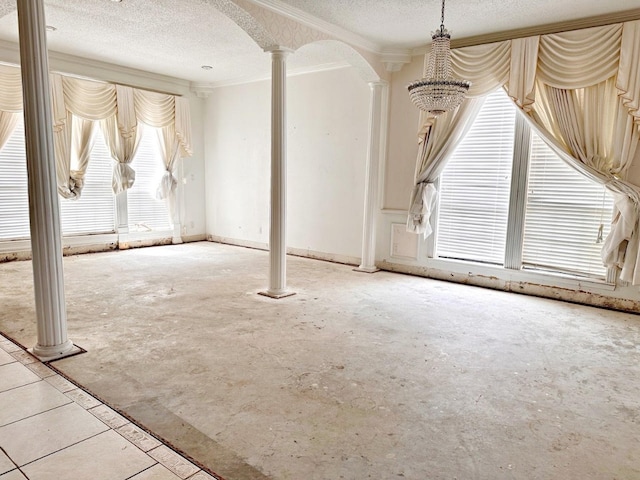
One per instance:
[(357, 376)]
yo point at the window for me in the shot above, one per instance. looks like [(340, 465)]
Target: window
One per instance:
[(146, 213), (568, 216), (474, 188), (481, 208), (14, 198), (94, 211)]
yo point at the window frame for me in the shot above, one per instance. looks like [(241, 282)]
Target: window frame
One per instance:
[(515, 222)]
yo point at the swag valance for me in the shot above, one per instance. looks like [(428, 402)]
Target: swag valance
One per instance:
[(121, 112), (580, 90)]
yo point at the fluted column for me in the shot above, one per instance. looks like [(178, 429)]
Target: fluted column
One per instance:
[(278, 221), (44, 215), (371, 193)]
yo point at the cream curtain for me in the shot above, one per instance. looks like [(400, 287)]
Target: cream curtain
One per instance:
[(10, 89), (170, 115), (440, 139), (10, 101), (73, 139), (77, 103), (123, 148), (581, 91), (170, 153), (8, 122), (583, 113)]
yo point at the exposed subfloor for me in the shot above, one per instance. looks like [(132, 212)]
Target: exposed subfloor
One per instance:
[(356, 376)]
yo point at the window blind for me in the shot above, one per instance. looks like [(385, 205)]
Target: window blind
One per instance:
[(94, 211), (565, 212), (14, 197), (474, 187), (146, 213)]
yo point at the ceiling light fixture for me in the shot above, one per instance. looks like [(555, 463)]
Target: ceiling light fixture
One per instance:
[(438, 92)]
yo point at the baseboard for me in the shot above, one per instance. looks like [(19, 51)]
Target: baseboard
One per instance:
[(297, 252), (566, 294), (238, 242), (194, 238)]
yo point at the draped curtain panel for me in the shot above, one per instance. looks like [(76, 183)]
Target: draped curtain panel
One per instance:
[(8, 122), (120, 111), (10, 101), (73, 140), (580, 91)]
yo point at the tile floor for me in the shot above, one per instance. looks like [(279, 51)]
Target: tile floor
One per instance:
[(51, 429)]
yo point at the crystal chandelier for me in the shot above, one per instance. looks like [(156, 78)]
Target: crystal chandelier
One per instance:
[(438, 91)]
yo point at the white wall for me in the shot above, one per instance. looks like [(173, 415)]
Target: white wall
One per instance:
[(193, 177), (403, 138), (328, 115)]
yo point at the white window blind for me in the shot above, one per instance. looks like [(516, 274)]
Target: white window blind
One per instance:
[(474, 187), (14, 198), (94, 211), (146, 213), (565, 215)]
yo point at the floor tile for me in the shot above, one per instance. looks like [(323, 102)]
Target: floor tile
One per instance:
[(13, 475), (5, 358), (157, 472), (60, 383), (14, 375), (8, 346), (109, 416), (23, 357), (40, 369), (82, 398), (173, 461), (34, 437), (107, 456), (138, 437), (29, 400), (5, 463), (202, 476)]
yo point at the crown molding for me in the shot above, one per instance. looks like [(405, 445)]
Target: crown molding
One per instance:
[(314, 22), (203, 90), (394, 60), (89, 69), (578, 24)]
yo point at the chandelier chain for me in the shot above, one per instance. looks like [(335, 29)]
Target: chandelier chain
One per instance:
[(442, 15)]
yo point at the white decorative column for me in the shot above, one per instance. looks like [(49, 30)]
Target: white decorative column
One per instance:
[(371, 193), (44, 215), (277, 234)]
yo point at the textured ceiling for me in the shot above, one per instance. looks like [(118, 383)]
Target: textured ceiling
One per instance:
[(408, 23), (176, 37)]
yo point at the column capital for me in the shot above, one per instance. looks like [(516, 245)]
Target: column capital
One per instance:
[(279, 50), (378, 84)]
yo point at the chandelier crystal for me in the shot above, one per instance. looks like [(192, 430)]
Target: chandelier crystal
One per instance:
[(438, 92)]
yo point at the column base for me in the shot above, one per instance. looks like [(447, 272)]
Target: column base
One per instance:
[(362, 269), (276, 295), (48, 354)]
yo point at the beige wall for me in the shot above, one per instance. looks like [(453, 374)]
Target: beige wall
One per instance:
[(402, 142)]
